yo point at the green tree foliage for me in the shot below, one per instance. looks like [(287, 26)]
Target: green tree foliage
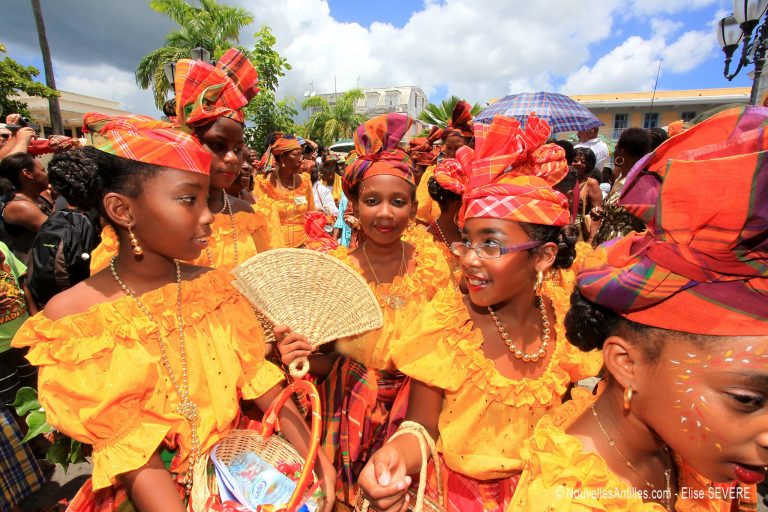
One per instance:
[(440, 114), (332, 122), (265, 113), (16, 79), (211, 26)]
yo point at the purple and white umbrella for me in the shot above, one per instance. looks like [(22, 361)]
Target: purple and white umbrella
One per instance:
[(561, 112)]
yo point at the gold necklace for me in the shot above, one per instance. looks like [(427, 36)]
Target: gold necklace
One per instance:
[(519, 354), (227, 206), (667, 471), (392, 300), (187, 407)]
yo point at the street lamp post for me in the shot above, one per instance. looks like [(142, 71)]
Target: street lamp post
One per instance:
[(747, 15)]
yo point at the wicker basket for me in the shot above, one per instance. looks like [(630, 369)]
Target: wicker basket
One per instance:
[(419, 502), (272, 448), (316, 295)]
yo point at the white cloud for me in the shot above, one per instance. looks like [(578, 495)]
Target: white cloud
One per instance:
[(652, 7), (690, 50)]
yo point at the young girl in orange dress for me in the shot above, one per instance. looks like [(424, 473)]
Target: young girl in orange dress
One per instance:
[(150, 357), (486, 366), (680, 313), (286, 192), (364, 395), (209, 103)]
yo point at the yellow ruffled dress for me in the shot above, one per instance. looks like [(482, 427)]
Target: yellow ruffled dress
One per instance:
[(255, 234), (486, 417), (289, 205), (102, 381), (560, 476), (428, 210), (364, 396)]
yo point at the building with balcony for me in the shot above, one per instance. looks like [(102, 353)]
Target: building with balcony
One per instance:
[(642, 109), (408, 99), (72, 106)]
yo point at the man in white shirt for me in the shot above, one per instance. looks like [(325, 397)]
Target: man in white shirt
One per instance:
[(589, 139), (323, 187)]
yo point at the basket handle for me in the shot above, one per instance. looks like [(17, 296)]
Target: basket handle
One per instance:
[(425, 442), (268, 428)]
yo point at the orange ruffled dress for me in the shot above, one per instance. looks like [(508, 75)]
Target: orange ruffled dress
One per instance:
[(364, 397), (255, 234), (102, 381), (428, 210), (289, 205), (486, 417), (560, 476)]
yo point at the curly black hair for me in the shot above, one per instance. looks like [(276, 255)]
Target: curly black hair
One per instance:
[(590, 160), (635, 142), (588, 325), (72, 175), (564, 236), (442, 196)]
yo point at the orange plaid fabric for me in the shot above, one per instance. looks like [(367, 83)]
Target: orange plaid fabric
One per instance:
[(284, 143), (377, 144), (204, 92), (146, 140), (422, 151), (450, 173), (702, 264), (512, 173)]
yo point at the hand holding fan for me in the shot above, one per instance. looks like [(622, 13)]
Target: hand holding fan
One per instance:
[(314, 294)]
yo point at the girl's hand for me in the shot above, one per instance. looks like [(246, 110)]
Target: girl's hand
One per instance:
[(290, 344), (384, 481)]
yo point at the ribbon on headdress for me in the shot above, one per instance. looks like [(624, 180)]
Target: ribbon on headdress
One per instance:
[(146, 140), (512, 173), (378, 151), (205, 93), (702, 265)]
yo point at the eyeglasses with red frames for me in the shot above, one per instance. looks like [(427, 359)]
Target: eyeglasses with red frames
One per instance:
[(491, 251)]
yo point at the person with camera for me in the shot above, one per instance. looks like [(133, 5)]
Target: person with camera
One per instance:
[(16, 136)]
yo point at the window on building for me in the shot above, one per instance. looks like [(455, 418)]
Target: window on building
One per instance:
[(371, 99), (620, 121), (651, 120), (687, 117), (392, 98)]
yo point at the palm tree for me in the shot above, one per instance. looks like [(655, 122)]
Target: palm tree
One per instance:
[(440, 114), (57, 125), (211, 26), (332, 122)]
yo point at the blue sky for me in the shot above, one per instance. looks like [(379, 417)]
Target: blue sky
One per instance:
[(476, 49)]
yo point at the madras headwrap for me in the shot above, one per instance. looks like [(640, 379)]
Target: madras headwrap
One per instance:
[(284, 143), (450, 173), (460, 124), (422, 151), (204, 92), (146, 140), (702, 264), (376, 144), (512, 173)]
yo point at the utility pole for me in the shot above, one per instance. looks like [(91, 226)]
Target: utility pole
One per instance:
[(53, 103)]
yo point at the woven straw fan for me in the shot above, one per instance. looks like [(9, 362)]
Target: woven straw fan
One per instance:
[(314, 294)]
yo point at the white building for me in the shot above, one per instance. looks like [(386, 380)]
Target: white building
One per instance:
[(408, 99)]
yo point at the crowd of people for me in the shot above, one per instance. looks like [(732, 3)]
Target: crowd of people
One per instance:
[(514, 271)]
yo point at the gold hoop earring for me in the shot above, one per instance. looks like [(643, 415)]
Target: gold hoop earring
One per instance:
[(137, 250), (537, 284), (619, 160), (628, 394)]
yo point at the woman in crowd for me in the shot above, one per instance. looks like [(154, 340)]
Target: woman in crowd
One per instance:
[(485, 366), (146, 360), (322, 187), (286, 192), (209, 103), (364, 395), (680, 315), (633, 144), (242, 187), (28, 209), (590, 196)]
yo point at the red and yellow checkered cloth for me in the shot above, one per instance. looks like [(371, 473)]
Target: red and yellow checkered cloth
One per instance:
[(422, 151), (450, 173), (146, 140), (702, 265), (377, 144), (204, 92), (511, 173)]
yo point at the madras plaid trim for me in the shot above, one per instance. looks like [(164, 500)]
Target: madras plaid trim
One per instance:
[(20, 476)]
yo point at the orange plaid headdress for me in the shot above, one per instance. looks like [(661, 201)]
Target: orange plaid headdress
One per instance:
[(284, 143), (460, 124), (702, 265), (451, 173), (377, 144), (512, 173), (204, 92), (146, 140), (422, 151)]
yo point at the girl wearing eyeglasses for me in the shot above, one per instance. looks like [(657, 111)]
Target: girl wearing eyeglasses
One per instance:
[(486, 366)]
